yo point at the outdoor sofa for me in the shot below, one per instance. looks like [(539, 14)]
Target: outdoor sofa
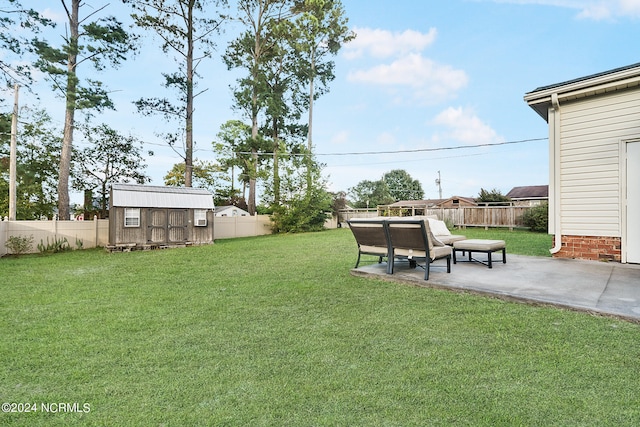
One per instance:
[(406, 238), (371, 237)]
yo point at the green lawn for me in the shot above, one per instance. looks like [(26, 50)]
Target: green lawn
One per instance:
[(274, 331)]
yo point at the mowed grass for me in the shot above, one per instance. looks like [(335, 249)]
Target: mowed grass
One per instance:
[(274, 331)]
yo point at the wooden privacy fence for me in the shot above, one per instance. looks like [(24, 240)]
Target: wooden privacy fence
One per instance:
[(472, 216), (492, 216), (91, 234)]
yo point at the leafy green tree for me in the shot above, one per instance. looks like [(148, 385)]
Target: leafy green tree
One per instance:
[(186, 28), (369, 194), (100, 42), (301, 210), (320, 31), (494, 197), (109, 157), (206, 175), (36, 174), (402, 186), (284, 100), (250, 51), (14, 21), (235, 148)]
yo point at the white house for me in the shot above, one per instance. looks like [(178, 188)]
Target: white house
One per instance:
[(594, 164), (230, 211)]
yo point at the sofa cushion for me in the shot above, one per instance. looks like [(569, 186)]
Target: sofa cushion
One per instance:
[(436, 252), (373, 250), (451, 239), (438, 228), (481, 245)]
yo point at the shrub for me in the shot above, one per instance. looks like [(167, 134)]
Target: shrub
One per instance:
[(58, 245), (19, 245), (302, 214), (537, 218)]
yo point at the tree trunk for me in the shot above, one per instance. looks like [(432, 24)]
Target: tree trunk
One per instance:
[(276, 172), (251, 203), (69, 121), (188, 161), (310, 129)]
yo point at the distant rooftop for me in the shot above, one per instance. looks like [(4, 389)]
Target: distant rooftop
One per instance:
[(529, 192)]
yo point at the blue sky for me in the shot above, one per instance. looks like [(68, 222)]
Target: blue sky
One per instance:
[(420, 79)]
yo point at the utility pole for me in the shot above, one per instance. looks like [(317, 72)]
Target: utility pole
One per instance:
[(439, 184), (13, 158)]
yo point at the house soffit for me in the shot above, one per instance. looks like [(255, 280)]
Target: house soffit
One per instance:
[(609, 81)]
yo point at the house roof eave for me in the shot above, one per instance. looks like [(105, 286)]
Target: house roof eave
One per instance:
[(620, 78)]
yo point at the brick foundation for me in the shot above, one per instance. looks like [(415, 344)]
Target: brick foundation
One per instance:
[(591, 247)]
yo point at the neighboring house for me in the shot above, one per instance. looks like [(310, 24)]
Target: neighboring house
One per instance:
[(230, 211), (532, 195), (594, 164), (455, 202), (149, 216), (417, 207)]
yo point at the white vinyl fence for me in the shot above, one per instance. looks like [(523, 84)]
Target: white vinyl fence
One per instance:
[(228, 227), (91, 234), (85, 234)]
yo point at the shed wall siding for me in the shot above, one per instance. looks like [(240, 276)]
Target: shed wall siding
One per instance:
[(591, 131)]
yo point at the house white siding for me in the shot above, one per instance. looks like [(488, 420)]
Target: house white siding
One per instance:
[(591, 132)]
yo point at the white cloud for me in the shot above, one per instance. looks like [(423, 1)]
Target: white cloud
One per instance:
[(427, 80), (386, 138), (629, 8), (56, 17), (340, 138), (412, 70), (596, 13), (408, 74), (384, 44), (590, 9), (465, 127)]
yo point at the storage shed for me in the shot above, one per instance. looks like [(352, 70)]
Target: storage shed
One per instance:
[(594, 164), (144, 216)]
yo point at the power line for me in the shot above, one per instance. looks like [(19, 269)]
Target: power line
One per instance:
[(421, 150), (417, 150)]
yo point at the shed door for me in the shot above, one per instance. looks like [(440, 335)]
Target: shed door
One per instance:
[(178, 220), (633, 202), (167, 225), (156, 225)]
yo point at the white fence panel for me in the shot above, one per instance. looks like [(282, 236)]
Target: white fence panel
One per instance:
[(228, 227), (85, 234), (96, 233), (3, 237)]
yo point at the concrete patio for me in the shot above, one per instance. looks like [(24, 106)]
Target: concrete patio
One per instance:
[(605, 288)]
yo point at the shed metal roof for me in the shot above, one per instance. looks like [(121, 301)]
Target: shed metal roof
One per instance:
[(146, 196)]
